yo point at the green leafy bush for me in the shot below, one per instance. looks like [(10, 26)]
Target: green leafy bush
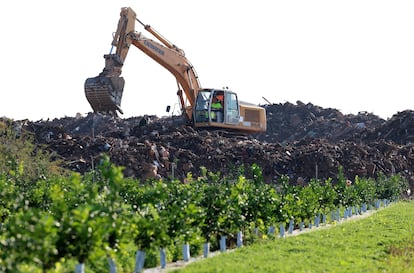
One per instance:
[(56, 221)]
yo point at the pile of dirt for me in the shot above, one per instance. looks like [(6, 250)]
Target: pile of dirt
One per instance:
[(289, 122), (303, 141)]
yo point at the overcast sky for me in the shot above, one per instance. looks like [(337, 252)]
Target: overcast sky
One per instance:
[(349, 55)]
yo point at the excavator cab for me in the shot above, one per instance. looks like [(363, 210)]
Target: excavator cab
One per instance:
[(222, 109), (209, 106)]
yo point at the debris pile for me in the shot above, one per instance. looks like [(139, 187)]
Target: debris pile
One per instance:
[(303, 141), (398, 129), (288, 122)]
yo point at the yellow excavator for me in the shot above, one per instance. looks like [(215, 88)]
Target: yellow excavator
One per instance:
[(201, 107)]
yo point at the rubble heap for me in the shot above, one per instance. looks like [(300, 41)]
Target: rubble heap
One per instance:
[(303, 141)]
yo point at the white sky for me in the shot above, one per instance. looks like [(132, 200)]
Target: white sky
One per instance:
[(354, 55)]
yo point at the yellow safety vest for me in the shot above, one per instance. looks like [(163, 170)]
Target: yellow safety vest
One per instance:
[(216, 105)]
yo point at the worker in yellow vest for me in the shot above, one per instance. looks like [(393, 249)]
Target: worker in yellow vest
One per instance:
[(216, 110)]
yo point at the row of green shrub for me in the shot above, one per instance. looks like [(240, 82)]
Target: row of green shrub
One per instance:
[(51, 221)]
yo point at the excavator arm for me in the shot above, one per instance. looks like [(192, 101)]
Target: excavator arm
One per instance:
[(174, 60), (104, 92)]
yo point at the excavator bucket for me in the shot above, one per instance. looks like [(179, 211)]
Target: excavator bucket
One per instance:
[(104, 93)]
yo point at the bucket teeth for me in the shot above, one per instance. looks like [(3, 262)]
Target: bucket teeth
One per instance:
[(104, 94)]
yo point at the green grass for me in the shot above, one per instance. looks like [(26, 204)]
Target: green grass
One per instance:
[(382, 242)]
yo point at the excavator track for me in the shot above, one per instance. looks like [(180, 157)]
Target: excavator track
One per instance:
[(104, 94)]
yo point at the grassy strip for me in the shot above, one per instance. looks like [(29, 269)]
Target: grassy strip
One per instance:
[(382, 242)]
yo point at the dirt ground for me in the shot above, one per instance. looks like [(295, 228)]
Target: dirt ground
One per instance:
[(303, 141)]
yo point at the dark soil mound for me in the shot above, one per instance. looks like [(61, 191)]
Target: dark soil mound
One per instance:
[(303, 141)]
